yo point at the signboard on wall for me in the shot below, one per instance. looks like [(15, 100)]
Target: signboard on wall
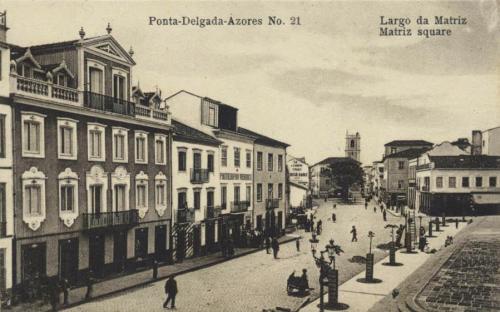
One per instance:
[(298, 172)]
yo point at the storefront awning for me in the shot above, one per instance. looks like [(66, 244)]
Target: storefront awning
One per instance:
[(486, 199)]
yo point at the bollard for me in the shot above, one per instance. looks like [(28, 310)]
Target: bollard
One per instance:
[(437, 224), (408, 241), (333, 288), (456, 223), (392, 255), (443, 220), (369, 267), (430, 229)]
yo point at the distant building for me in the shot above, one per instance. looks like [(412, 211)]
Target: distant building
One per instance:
[(353, 146), (401, 145), (486, 142), (456, 184), (298, 181), (377, 177), (321, 182)]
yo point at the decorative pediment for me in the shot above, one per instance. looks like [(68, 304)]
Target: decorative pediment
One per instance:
[(63, 67), (28, 57), (108, 46)]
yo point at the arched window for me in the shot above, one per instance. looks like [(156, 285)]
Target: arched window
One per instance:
[(33, 198), (68, 196), (141, 193), (352, 144), (160, 193)]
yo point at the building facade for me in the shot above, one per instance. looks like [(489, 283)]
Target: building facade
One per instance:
[(92, 184), (458, 185), (322, 184), (397, 146), (196, 190), (298, 182), (269, 183), (353, 146)]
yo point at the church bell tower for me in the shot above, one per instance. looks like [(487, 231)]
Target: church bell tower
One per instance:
[(353, 146)]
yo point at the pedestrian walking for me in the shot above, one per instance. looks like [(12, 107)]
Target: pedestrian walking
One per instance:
[(374, 208), (384, 215), (334, 218), (65, 288), (268, 245), (155, 269), (354, 233), (90, 284), (276, 247), (170, 291), (319, 227), (366, 205), (54, 296), (297, 244)]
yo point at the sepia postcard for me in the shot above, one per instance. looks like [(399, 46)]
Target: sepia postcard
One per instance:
[(249, 156)]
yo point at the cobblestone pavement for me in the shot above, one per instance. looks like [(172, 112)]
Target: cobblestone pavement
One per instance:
[(468, 281), (257, 281)]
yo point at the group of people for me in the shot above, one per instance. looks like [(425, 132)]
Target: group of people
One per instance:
[(272, 243)]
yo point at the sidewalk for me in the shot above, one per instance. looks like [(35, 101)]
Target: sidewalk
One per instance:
[(140, 279), (362, 296)]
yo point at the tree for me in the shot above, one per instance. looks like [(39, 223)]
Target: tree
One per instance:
[(345, 174)]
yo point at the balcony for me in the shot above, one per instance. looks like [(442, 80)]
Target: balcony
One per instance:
[(199, 175), (145, 112), (43, 89), (425, 188), (272, 203), (424, 167), (110, 219), (239, 206), (185, 215), (213, 212), (108, 104)]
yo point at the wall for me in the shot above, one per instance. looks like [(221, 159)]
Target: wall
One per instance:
[(491, 140)]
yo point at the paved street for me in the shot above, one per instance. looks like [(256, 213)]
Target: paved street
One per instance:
[(257, 281)]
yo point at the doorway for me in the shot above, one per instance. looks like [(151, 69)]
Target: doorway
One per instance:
[(160, 243), (68, 260), (33, 265), (120, 251), (96, 254)]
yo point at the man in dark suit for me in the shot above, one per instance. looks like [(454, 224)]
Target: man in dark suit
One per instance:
[(171, 291)]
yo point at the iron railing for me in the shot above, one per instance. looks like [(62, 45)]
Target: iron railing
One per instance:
[(199, 175), (272, 203), (185, 215), (240, 206), (108, 104), (110, 219)]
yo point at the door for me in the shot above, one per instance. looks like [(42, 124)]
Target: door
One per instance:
[(196, 240), (160, 243), (33, 262), (141, 243), (280, 221), (3, 277), (96, 254), (196, 160), (96, 198), (68, 260), (210, 235), (120, 200), (210, 204), (120, 250)]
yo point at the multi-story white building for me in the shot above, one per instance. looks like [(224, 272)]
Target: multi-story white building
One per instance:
[(235, 162), (196, 190)]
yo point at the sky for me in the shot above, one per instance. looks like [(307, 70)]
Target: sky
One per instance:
[(305, 85)]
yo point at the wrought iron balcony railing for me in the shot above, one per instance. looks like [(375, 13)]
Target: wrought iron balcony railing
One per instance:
[(272, 203), (110, 219), (213, 212), (108, 104), (240, 206), (199, 175), (185, 215)]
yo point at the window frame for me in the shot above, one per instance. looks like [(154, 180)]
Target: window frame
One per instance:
[(141, 135), (161, 180), (36, 118), (495, 184), (450, 184), (197, 198), (211, 162), (33, 178), (280, 163), (163, 139), (223, 197), (248, 158), (260, 161), (96, 127), (439, 182), (120, 131), (237, 157), (68, 178), (3, 129), (67, 123), (259, 192), (270, 162), (280, 190), (182, 168), (478, 182), (464, 184)]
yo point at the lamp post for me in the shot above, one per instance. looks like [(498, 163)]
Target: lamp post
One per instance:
[(328, 272)]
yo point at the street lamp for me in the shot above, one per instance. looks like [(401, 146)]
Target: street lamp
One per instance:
[(328, 275)]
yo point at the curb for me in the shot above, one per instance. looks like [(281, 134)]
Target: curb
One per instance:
[(140, 285)]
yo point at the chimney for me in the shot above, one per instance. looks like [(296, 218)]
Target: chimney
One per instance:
[(3, 26), (477, 141)]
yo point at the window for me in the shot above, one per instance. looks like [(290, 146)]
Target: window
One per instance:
[(210, 162), (66, 139), (96, 142), (3, 203), (259, 192), (401, 184), (249, 194), (211, 116), (223, 156), (67, 195), (141, 196), (236, 194), (270, 191), (197, 199), (280, 163), (96, 198), (248, 159), (96, 81), (401, 165), (61, 80), (280, 191), (259, 161), (197, 159), (160, 152), (236, 156), (182, 160), (33, 196), (161, 193), (25, 70), (120, 199), (120, 145), (393, 150), (479, 181), (269, 162), (33, 135), (2, 136), (465, 181), (352, 143), (452, 182), (141, 147), (493, 181), (119, 91), (223, 197), (439, 182)]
